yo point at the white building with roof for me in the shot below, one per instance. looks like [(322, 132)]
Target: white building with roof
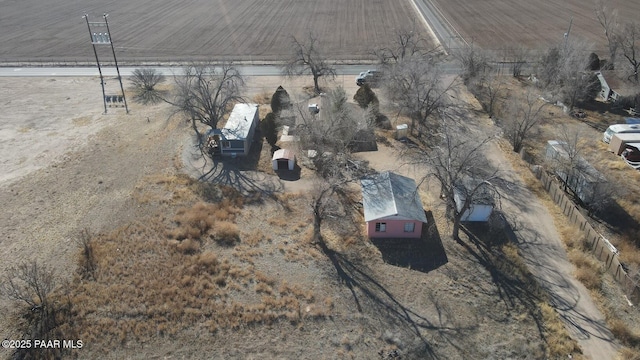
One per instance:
[(236, 136)]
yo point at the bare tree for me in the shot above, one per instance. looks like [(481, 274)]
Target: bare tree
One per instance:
[(628, 39), (522, 115), (567, 162), (416, 86), (331, 130), (145, 83), (590, 187), (608, 19), (490, 89), (408, 41), (518, 57), (331, 134), (205, 93), (307, 57), (459, 166), (576, 85), (33, 285), (474, 61), (549, 68), (324, 202), (564, 73)]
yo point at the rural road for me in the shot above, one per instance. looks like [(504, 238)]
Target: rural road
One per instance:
[(247, 70), (443, 30)]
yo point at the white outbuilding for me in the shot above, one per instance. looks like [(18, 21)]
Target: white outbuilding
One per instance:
[(283, 159)]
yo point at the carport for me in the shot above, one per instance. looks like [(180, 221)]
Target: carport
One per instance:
[(283, 159)]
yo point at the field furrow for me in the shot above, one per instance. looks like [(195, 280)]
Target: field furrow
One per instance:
[(197, 29)]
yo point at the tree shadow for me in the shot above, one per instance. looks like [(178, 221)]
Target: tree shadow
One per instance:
[(372, 297), (514, 286), (248, 183), (424, 254)]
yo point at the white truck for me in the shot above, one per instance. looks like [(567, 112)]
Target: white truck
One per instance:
[(370, 77)]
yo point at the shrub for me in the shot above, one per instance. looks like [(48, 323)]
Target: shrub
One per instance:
[(87, 262), (623, 333), (208, 261), (268, 128), (144, 83), (32, 287), (280, 100), (226, 233), (189, 246), (365, 96), (594, 62), (194, 222), (589, 278)]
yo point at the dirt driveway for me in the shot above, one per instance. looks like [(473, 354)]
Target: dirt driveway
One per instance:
[(544, 253)]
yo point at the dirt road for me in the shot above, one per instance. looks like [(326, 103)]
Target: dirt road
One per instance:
[(543, 251)]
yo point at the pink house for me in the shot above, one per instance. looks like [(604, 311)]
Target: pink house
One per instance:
[(392, 206)]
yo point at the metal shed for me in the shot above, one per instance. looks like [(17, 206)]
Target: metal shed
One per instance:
[(481, 208), (283, 159)]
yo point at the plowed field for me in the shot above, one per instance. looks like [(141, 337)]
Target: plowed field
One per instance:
[(536, 24), (197, 29)]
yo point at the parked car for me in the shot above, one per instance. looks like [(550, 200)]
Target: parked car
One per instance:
[(370, 77), (631, 154)]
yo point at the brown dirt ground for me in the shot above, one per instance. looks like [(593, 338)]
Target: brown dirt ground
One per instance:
[(539, 24), (454, 311), (166, 31)]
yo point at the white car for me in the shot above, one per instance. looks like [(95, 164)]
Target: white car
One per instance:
[(368, 77)]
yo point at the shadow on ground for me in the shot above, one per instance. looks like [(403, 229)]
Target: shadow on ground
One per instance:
[(240, 173), (515, 286), (424, 254), (374, 298), (289, 175)]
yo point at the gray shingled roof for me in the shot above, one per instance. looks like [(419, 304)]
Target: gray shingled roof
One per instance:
[(388, 194)]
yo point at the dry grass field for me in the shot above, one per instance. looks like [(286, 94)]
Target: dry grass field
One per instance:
[(197, 30), (538, 24)]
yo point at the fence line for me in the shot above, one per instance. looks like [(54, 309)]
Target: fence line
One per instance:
[(600, 247)]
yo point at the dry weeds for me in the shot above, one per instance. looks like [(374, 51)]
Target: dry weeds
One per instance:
[(162, 275)]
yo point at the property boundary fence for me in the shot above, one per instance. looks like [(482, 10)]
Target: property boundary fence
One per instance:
[(601, 248)]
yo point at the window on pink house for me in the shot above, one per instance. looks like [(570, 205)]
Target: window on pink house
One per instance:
[(381, 227), (409, 227)]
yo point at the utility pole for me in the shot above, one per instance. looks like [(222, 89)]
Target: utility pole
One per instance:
[(95, 52), (566, 35), (101, 35)]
